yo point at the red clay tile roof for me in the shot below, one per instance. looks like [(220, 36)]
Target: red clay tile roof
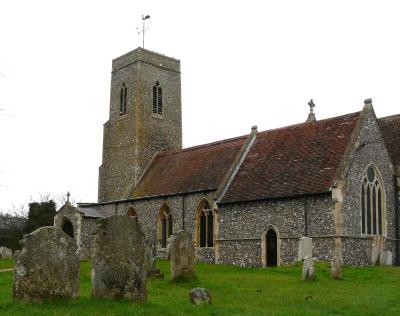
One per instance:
[(199, 168), (294, 160), (390, 128)]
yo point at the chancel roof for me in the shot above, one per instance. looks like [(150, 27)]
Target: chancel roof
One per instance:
[(194, 169), (390, 128), (294, 160)]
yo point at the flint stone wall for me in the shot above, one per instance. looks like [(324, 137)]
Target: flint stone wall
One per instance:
[(242, 226), (356, 247), (5, 253), (120, 260), (47, 267)]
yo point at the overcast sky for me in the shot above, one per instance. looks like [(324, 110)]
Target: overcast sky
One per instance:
[(243, 63)]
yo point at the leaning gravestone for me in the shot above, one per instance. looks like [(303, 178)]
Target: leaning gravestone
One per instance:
[(5, 253), (119, 260), (47, 267), (181, 252)]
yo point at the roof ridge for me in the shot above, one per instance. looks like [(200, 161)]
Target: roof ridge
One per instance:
[(219, 142), (389, 117), (308, 123)]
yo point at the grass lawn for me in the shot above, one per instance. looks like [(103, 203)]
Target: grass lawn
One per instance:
[(6, 263), (237, 291)]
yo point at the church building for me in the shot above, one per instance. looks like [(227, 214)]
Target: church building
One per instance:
[(247, 200)]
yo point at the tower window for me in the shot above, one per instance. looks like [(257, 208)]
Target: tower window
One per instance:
[(372, 203), (122, 99), (157, 99)]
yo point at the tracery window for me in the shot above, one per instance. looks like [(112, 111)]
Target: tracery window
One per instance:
[(372, 203), (157, 99), (165, 225), (123, 96), (205, 225)]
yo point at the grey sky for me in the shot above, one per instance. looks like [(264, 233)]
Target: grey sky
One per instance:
[(243, 63)]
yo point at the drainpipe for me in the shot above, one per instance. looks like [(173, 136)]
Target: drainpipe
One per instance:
[(305, 218), (183, 211), (397, 206)]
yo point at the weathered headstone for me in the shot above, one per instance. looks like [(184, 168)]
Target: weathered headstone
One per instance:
[(5, 253), (153, 270), (199, 296), (308, 268), (385, 258), (119, 260), (336, 268), (181, 252), (305, 248), (47, 267)]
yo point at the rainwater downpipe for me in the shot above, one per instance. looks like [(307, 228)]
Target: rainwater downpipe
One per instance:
[(183, 211), (397, 206), (305, 217)]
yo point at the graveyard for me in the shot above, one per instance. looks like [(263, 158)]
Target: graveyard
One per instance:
[(235, 291)]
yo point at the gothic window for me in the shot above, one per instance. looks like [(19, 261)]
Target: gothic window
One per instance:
[(132, 213), (165, 225), (205, 225), (157, 99), (372, 203), (123, 95)]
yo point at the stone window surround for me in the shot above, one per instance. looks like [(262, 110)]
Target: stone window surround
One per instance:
[(166, 211), (204, 205), (384, 219)]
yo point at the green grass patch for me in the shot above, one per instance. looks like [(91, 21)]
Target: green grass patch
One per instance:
[(237, 291), (6, 263)]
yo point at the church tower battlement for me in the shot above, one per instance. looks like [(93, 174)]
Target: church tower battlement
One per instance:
[(145, 118)]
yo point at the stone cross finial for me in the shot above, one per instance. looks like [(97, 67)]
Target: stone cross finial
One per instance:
[(68, 195), (311, 115)]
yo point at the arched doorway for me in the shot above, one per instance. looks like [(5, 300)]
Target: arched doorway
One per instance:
[(272, 248), (68, 228)]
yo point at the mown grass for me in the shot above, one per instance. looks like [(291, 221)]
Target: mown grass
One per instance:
[(237, 291), (6, 263)]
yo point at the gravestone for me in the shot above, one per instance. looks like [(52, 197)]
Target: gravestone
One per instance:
[(198, 296), (5, 253), (47, 267), (119, 259), (153, 270), (305, 248), (308, 268), (336, 268), (385, 258), (181, 253)]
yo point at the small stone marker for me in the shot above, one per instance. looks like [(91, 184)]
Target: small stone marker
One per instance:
[(336, 269), (153, 270), (47, 267), (308, 268), (385, 258), (5, 253), (199, 296), (305, 248), (119, 260), (181, 252)]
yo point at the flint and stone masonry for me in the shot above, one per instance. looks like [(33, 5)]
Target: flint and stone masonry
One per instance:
[(251, 222)]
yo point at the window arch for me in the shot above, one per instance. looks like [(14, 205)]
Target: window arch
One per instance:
[(205, 225), (165, 225), (372, 203), (157, 99), (132, 213), (123, 96)]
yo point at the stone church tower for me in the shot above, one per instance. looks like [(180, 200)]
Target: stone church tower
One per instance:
[(145, 118)]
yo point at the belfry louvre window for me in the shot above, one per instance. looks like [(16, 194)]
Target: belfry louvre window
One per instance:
[(123, 96), (372, 203), (157, 99)]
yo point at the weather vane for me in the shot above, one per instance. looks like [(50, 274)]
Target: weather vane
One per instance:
[(143, 30)]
